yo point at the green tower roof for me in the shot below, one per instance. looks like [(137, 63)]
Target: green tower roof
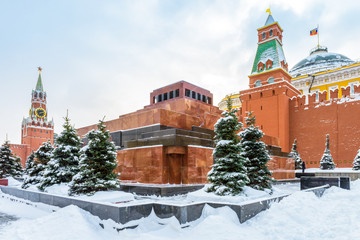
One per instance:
[(39, 85), (271, 50)]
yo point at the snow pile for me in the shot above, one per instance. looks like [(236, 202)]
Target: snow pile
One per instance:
[(248, 194), (114, 197), (12, 182), (101, 196), (67, 223), (58, 189), (21, 208)]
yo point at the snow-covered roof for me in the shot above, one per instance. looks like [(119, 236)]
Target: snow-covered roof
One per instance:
[(320, 61), (271, 50)]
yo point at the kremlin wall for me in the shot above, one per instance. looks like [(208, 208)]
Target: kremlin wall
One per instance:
[(171, 139)]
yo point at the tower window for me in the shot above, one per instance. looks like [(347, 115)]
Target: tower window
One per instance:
[(165, 96), (271, 33), (40, 95), (171, 94), (187, 92), (258, 83), (176, 92), (35, 94), (263, 35), (271, 80)]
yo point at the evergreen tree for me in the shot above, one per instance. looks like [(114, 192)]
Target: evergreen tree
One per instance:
[(228, 174), (37, 165), (29, 164), (255, 151), (326, 161), (295, 154), (64, 162), (357, 161), (97, 164), (9, 164)]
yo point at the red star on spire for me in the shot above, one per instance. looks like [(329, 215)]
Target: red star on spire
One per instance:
[(39, 68)]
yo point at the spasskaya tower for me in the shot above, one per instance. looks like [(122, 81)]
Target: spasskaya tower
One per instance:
[(37, 128)]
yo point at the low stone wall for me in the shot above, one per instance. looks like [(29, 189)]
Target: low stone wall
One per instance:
[(352, 175), (124, 214)]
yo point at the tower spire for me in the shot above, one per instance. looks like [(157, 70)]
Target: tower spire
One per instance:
[(39, 86)]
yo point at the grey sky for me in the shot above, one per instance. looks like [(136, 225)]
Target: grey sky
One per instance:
[(103, 58)]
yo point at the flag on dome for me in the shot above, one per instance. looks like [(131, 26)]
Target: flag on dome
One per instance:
[(314, 32)]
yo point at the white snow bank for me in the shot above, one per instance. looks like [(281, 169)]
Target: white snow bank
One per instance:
[(248, 194), (67, 223), (113, 197), (109, 196), (12, 182), (23, 208)]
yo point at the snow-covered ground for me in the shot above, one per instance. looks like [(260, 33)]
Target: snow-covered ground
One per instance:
[(302, 215)]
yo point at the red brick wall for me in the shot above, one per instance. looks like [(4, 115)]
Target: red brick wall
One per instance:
[(35, 137), (22, 151), (310, 123), (270, 104)]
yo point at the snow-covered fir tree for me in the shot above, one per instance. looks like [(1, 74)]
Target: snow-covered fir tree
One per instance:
[(9, 164), (356, 163), (326, 161), (255, 151), (40, 159), (228, 174), (295, 154), (97, 164), (29, 164), (64, 162)]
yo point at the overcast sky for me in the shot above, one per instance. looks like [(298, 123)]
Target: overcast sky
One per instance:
[(103, 58)]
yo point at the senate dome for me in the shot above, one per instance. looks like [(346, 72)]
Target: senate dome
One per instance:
[(319, 60)]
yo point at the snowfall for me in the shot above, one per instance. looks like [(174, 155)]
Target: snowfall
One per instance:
[(302, 215)]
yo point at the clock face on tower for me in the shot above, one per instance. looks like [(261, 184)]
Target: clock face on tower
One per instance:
[(40, 112)]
